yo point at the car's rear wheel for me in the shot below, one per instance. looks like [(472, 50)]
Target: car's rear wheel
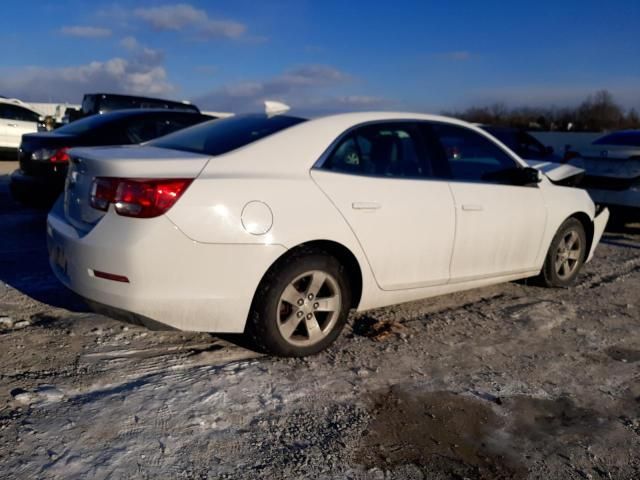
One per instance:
[(566, 255), (301, 305)]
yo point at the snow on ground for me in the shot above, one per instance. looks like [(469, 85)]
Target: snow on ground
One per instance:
[(512, 381)]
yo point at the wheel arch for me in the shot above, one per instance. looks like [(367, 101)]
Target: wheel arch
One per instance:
[(587, 224), (337, 250)]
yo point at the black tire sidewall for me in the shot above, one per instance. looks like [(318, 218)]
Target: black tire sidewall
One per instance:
[(551, 277), (262, 322)]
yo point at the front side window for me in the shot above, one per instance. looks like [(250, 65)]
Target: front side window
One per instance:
[(472, 157), (383, 150)]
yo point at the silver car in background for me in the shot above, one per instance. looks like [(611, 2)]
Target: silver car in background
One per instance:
[(612, 165)]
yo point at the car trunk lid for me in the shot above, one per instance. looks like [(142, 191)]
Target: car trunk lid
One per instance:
[(136, 162), (36, 142)]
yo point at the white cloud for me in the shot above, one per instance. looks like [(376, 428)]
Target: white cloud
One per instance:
[(85, 31), (182, 16), (130, 43), (301, 87), (138, 75), (141, 53)]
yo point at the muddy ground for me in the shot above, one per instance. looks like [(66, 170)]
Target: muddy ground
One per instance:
[(511, 381)]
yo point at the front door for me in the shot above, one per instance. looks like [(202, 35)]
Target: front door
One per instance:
[(380, 179), (499, 225)]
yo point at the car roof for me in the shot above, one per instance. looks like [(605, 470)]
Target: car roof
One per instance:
[(311, 139), (139, 112)]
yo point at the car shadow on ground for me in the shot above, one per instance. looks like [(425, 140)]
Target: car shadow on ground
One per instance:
[(24, 261)]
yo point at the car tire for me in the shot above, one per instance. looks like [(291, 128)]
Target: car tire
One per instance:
[(301, 305), (566, 255)]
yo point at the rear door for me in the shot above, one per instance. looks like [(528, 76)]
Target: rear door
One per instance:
[(499, 226), (380, 178)]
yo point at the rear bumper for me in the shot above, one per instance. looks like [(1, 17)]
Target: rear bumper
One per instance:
[(172, 280), (599, 224)]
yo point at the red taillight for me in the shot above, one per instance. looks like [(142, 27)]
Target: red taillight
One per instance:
[(61, 156), (103, 192), (137, 198)]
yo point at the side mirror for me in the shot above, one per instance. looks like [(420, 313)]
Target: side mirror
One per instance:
[(527, 176)]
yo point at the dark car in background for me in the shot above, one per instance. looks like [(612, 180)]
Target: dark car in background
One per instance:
[(94, 103), (44, 159), (524, 144)]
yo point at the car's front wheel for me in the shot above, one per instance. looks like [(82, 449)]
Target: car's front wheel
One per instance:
[(301, 305), (566, 255)]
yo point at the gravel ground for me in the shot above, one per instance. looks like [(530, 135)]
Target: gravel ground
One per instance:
[(511, 381)]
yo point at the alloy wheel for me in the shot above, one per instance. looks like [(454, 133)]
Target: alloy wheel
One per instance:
[(309, 308), (568, 255)]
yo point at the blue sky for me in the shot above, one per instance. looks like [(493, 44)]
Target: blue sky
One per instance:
[(324, 55)]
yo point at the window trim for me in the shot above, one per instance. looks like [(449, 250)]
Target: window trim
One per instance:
[(319, 164)]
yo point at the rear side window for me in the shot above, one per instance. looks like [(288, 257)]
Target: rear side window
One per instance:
[(14, 112), (470, 156), (222, 136), (383, 150)]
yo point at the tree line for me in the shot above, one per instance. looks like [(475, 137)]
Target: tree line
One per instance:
[(598, 112)]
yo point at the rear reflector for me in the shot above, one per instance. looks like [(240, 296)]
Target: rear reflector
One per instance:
[(135, 197), (110, 276)]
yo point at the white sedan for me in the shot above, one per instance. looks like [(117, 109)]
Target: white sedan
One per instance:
[(16, 119), (277, 226)]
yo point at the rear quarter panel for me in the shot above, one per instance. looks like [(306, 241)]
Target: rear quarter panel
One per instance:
[(210, 211)]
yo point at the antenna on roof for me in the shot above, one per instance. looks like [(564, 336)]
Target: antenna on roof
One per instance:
[(275, 108)]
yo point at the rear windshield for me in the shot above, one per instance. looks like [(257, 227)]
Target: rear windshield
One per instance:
[(84, 124), (218, 137), (629, 138)]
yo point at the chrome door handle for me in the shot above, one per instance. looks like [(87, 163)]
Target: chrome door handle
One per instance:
[(472, 208), (365, 205), (12, 124)]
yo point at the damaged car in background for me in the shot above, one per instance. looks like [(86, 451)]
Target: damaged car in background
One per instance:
[(612, 166), (276, 227)]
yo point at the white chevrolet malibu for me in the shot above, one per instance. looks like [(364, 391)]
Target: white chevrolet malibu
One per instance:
[(277, 226)]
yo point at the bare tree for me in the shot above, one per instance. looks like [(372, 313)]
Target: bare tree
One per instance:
[(600, 112), (597, 113)]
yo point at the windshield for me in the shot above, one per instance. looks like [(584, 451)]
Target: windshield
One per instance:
[(629, 138), (218, 137)]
